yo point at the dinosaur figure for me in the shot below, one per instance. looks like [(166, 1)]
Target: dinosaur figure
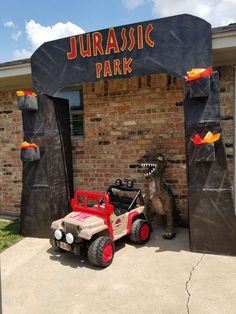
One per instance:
[(158, 198)]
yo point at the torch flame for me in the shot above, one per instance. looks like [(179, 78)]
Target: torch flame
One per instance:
[(208, 138), (21, 93), (197, 73), (28, 145)]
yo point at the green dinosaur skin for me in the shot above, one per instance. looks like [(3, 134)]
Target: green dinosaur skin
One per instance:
[(157, 199)]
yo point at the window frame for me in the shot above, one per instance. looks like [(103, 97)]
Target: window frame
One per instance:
[(74, 109)]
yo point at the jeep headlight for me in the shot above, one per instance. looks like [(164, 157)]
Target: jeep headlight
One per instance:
[(58, 234), (69, 238)]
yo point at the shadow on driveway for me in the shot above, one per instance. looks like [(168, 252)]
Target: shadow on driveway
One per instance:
[(179, 243)]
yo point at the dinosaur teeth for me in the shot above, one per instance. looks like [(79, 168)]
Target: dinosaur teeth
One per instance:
[(153, 170), (150, 168), (148, 165)]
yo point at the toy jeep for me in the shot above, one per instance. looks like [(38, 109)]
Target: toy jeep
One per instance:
[(99, 219)]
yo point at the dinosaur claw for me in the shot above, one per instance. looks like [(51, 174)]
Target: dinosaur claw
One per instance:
[(168, 235)]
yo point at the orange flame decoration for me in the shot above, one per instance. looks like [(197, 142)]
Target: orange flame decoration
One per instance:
[(20, 93), (28, 145), (195, 74), (208, 138)]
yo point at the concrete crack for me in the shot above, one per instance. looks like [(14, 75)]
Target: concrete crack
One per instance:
[(188, 281)]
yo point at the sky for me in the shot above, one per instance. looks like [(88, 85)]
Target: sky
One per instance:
[(25, 25)]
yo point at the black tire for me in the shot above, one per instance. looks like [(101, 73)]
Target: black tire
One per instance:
[(101, 251), (140, 231)]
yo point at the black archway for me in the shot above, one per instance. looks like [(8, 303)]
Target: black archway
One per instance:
[(171, 45)]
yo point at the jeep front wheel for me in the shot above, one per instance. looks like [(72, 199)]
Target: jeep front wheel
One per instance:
[(101, 251), (140, 231), (52, 241)]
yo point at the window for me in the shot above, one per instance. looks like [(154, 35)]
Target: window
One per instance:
[(75, 96)]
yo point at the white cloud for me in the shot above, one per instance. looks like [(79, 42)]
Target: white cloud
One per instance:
[(37, 34), (22, 54), (132, 4), (16, 35), (216, 12), (9, 24)]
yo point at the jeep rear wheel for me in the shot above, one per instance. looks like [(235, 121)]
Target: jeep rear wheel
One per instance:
[(101, 251), (140, 231)]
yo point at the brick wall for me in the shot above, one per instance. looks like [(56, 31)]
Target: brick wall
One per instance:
[(226, 76), (123, 119), (10, 164)]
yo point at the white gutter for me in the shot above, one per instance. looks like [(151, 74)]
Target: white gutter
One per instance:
[(12, 70), (226, 39)]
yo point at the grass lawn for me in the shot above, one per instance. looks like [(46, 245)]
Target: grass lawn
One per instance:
[(9, 233)]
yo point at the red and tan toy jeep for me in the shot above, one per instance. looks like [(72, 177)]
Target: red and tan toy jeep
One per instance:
[(99, 219)]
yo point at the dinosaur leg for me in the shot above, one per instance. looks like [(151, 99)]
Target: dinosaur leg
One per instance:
[(170, 232), (149, 212)]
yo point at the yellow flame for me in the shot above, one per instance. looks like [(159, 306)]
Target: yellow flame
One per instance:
[(211, 138), (20, 93), (194, 72)]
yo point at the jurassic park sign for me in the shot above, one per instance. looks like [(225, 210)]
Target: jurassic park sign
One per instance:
[(171, 45), (94, 44)]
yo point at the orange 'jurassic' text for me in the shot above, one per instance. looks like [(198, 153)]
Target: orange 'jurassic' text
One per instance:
[(93, 44)]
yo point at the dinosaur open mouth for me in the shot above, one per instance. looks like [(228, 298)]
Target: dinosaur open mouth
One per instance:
[(149, 168)]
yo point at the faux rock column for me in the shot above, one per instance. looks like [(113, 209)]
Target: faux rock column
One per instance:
[(47, 182), (211, 211)]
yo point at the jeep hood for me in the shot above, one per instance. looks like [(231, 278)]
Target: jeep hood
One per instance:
[(85, 224)]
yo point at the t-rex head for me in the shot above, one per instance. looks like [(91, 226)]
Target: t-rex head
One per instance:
[(154, 164)]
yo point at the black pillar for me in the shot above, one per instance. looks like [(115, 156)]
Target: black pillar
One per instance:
[(211, 209), (48, 181)]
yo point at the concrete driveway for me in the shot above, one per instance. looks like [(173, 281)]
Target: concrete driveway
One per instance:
[(160, 277)]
